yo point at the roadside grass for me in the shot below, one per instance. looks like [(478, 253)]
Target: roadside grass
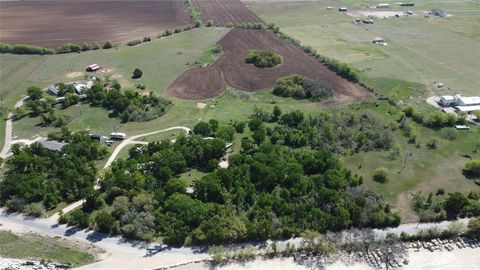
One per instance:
[(33, 246)]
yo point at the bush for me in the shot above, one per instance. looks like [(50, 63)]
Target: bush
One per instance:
[(5, 48), (85, 47), (381, 175), (300, 87), (209, 23), (134, 42), (137, 73), (107, 45), (472, 169), (35, 210), (167, 32), (68, 48), (264, 58)]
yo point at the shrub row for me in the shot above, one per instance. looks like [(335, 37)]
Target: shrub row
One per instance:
[(139, 41), (64, 48), (194, 13)]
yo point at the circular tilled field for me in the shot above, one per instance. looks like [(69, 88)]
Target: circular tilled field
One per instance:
[(231, 69)]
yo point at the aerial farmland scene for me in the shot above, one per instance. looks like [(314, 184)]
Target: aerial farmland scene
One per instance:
[(239, 134)]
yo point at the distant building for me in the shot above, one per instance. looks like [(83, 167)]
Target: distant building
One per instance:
[(53, 90), (406, 4), (467, 101), (438, 12), (447, 101), (367, 21), (383, 5), (117, 136), (342, 9), (468, 108), (93, 68), (52, 145), (79, 88)]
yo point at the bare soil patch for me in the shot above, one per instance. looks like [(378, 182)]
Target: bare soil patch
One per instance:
[(198, 83), (231, 69), (54, 22), (75, 74), (201, 105), (222, 12)]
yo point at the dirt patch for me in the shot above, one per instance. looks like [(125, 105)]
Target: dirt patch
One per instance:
[(198, 83), (74, 74), (222, 12), (231, 69), (201, 105), (54, 22)]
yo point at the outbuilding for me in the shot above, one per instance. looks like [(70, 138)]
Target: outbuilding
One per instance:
[(53, 90), (52, 145), (383, 5), (93, 68), (79, 88), (406, 4), (438, 12), (467, 101), (342, 9), (117, 136), (447, 101)]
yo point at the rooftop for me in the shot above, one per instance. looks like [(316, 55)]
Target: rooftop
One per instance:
[(52, 145)]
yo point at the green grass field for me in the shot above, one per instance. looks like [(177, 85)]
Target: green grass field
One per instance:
[(419, 49), (32, 246)]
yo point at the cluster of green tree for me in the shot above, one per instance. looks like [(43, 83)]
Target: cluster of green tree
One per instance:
[(64, 48), (472, 169), (194, 13), (129, 105), (39, 176), (264, 58), (300, 87), (214, 129), (338, 132), (268, 191), (434, 207), (44, 108), (139, 41), (436, 119)]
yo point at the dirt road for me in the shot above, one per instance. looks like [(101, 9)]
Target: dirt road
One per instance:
[(7, 144), (127, 254)]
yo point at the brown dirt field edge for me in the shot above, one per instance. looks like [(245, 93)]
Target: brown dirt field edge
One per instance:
[(53, 22), (230, 69), (221, 12)]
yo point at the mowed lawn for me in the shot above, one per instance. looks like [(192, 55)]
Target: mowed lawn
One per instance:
[(420, 49)]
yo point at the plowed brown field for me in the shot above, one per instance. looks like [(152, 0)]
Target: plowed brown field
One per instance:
[(201, 83), (51, 23), (222, 12)]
